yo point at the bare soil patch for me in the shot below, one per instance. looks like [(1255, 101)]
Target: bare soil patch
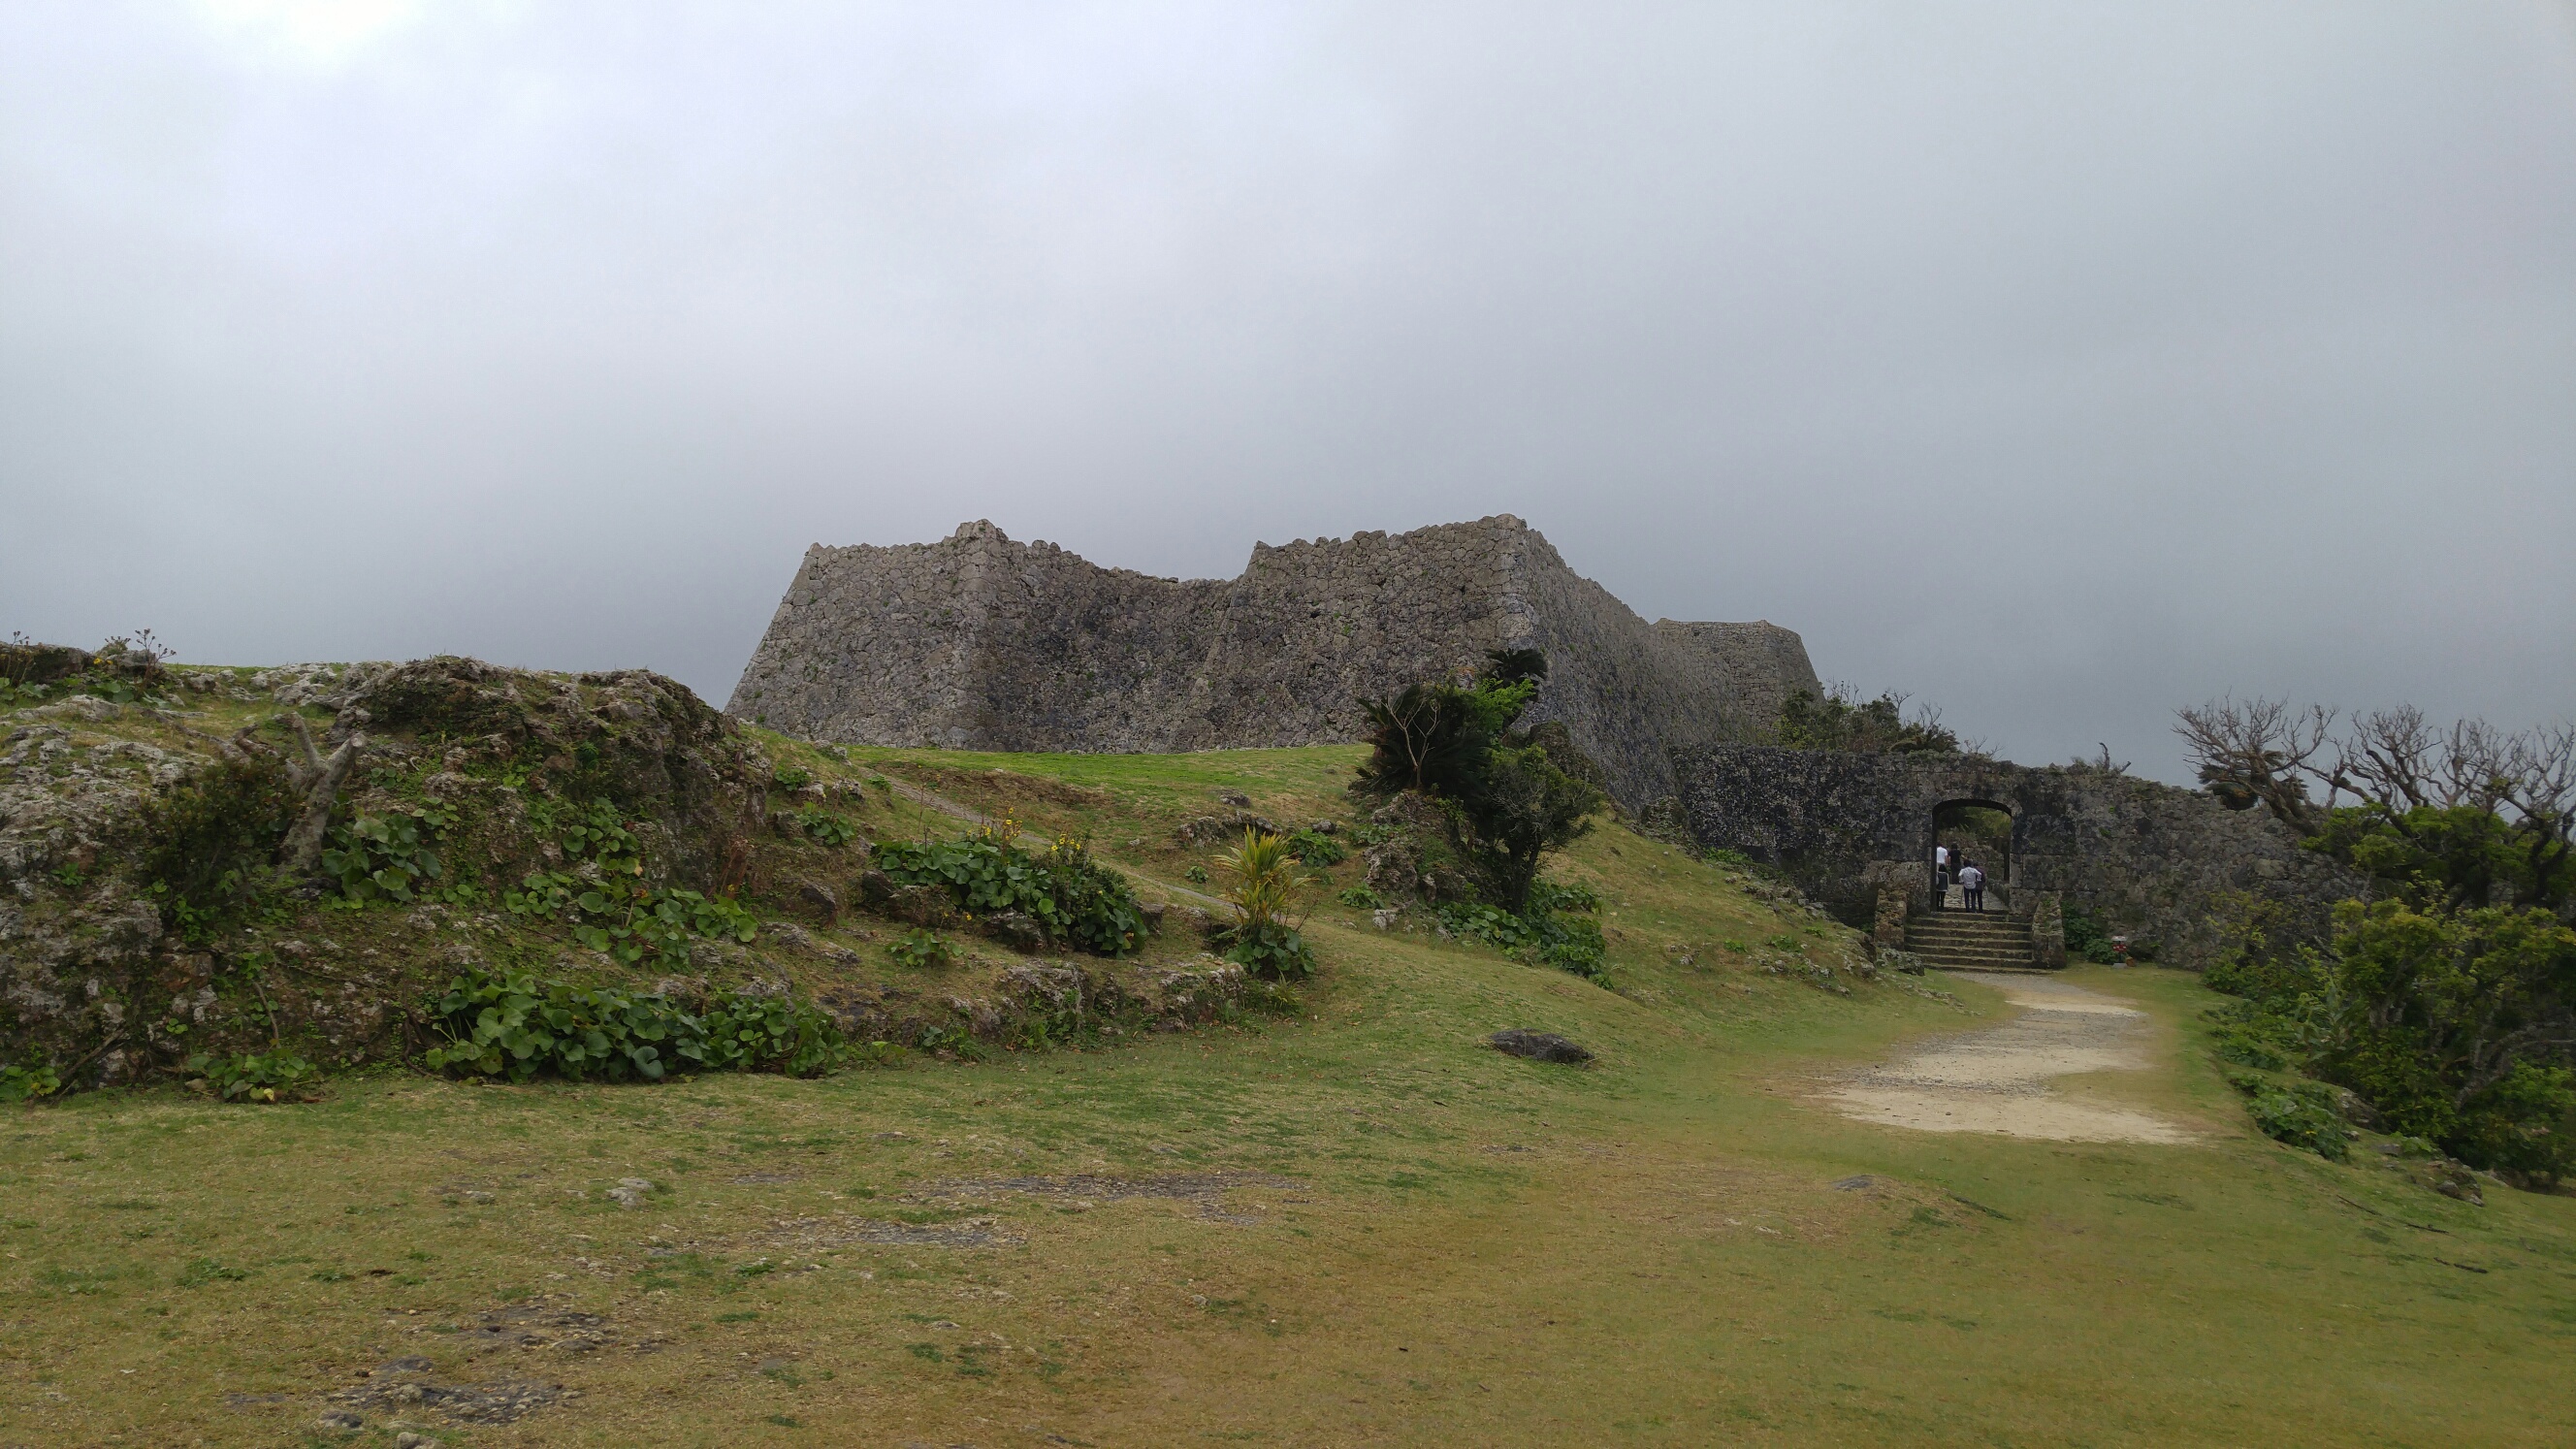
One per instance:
[(1996, 1079), (1207, 1189)]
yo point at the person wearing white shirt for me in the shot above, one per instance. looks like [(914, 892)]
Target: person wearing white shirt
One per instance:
[(1972, 885)]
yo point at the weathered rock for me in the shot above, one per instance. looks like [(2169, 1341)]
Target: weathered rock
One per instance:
[(922, 905), (1017, 930), (1538, 1046), (819, 900), (1222, 830), (978, 642)]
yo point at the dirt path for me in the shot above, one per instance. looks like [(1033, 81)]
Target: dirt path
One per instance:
[(1996, 1079)]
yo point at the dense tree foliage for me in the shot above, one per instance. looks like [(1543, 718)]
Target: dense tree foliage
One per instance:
[(2445, 995), (1867, 726), (1510, 795)]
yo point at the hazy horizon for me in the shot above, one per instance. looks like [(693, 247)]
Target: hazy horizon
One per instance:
[(2057, 368)]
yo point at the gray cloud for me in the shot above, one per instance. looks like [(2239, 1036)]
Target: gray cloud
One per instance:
[(2059, 365)]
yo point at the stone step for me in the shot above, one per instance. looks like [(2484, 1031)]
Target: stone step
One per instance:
[(2000, 958), (1966, 937)]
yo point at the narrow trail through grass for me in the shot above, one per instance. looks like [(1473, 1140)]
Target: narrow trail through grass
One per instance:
[(2001, 1078)]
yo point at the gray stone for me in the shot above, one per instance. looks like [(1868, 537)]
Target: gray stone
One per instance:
[(1017, 930), (1538, 1046), (819, 900), (2145, 857), (979, 642)]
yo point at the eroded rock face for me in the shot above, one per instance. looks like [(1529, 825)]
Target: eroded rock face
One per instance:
[(982, 643)]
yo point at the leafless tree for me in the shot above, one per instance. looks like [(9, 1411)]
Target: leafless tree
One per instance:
[(2267, 752), (2258, 751)]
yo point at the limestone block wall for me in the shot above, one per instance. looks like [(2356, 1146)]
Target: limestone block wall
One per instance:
[(979, 642), (1757, 666), (2149, 858)]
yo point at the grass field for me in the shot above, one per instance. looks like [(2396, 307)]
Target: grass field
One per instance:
[(1358, 1225)]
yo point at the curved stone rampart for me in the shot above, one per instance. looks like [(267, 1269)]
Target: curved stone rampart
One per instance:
[(978, 642)]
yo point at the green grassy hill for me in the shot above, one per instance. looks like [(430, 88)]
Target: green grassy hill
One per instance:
[(1348, 1223)]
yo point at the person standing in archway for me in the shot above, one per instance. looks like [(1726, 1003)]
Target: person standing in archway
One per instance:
[(1940, 872), (1972, 885)]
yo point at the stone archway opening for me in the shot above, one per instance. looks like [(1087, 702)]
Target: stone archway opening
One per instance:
[(1979, 833)]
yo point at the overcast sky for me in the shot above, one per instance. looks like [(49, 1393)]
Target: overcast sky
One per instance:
[(2058, 363)]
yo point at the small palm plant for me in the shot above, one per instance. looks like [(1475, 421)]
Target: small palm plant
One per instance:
[(1265, 886)]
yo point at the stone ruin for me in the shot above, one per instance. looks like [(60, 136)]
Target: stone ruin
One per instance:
[(1855, 831), (978, 642)]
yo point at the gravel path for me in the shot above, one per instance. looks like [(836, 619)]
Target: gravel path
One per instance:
[(1996, 1079)]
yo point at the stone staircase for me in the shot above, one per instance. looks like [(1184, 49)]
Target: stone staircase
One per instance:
[(1969, 941)]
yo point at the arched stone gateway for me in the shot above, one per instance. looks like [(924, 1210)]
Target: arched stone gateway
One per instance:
[(1856, 832)]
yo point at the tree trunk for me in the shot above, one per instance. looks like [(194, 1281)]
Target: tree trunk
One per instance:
[(303, 848)]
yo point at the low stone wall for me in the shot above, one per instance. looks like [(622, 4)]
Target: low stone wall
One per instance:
[(2149, 859)]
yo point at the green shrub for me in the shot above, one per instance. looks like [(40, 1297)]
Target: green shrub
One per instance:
[(821, 825), (212, 839), (2238, 1045), (515, 1026), (25, 1084), (2302, 1114), (1508, 795), (1317, 849), (792, 777), (594, 832), (382, 857), (629, 921), (1554, 930), (1360, 897), (1875, 726), (1071, 897), (920, 949), (249, 1077), (1264, 888), (2085, 938), (1271, 950), (2438, 1017), (1196, 875)]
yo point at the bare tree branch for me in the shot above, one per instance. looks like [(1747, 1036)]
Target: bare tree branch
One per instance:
[(2257, 751)]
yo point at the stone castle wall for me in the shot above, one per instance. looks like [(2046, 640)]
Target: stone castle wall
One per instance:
[(978, 642), (2148, 858)]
